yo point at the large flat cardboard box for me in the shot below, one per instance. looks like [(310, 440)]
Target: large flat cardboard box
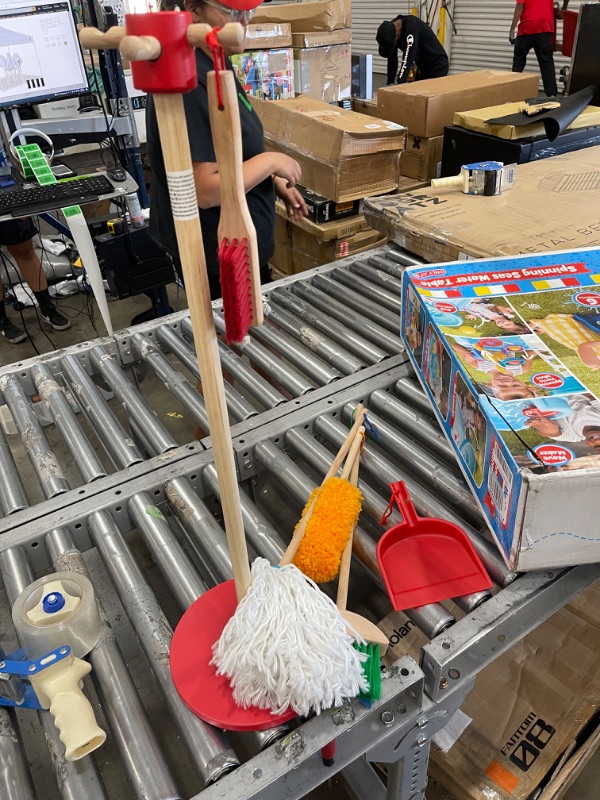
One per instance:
[(475, 120), (527, 715), (324, 73), (422, 158), (554, 206), (270, 36), (322, 38), (344, 156), (319, 15), (508, 352), (426, 107)]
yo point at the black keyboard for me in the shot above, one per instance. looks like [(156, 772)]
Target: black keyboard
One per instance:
[(20, 201)]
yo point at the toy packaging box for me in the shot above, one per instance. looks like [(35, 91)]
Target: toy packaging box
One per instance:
[(508, 352), (266, 74)]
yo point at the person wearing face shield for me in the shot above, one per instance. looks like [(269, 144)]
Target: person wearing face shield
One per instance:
[(266, 175)]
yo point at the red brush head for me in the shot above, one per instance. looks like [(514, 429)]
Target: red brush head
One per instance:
[(175, 71), (234, 263)]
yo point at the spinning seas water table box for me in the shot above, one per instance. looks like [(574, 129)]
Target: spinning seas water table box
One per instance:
[(508, 351)]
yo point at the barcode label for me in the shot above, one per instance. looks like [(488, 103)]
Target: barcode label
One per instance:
[(499, 484)]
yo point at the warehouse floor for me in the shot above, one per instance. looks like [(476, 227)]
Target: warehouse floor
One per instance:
[(82, 329)]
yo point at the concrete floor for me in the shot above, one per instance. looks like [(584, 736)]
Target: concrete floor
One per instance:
[(45, 340)]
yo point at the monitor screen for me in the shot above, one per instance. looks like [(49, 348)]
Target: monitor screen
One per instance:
[(40, 57)]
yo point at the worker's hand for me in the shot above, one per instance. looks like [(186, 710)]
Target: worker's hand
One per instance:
[(286, 168), (294, 202), (511, 37)]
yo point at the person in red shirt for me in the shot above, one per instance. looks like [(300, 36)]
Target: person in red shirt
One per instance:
[(535, 19)]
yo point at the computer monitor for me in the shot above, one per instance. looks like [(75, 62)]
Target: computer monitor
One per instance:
[(40, 56), (585, 64)]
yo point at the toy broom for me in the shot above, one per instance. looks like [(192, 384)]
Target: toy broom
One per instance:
[(328, 520), (239, 267), (286, 645)]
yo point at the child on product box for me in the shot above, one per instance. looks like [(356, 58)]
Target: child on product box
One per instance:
[(500, 315), (503, 384), (567, 331), (583, 425)]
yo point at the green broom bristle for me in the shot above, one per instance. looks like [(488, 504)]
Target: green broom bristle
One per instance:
[(372, 671)]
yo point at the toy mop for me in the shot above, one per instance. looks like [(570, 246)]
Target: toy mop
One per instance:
[(257, 621)]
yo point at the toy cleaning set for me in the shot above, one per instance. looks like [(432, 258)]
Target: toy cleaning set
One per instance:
[(508, 351)]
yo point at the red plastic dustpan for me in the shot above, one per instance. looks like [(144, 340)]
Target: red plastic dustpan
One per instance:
[(206, 694), (425, 560)]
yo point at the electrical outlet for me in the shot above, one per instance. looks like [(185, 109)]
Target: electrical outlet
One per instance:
[(106, 8)]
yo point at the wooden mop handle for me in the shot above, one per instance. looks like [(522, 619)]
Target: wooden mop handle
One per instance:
[(170, 115), (300, 530), (351, 466)]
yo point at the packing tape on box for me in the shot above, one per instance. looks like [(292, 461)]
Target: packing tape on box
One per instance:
[(36, 166)]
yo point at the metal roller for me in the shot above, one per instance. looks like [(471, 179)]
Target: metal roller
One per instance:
[(384, 265), (410, 391), (209, 750), (401, 257), (373, 292), (320, 344), (238, 406), (291, 381), (148, 772), (341, 312), (13, 496), (43, 460), (112, 436), (135, 405), (87, 462), (357, 301), (297, 354), (351, 339)]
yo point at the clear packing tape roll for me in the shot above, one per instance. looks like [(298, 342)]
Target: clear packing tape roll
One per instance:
[(35, 166), (57, 610)]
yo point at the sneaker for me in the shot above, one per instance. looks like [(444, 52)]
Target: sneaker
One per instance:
[(13, 334), (54, 318)]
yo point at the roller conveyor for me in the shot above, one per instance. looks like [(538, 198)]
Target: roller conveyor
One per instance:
[(108, 486)]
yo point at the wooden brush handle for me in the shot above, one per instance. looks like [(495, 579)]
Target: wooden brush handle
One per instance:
[(344, 576), (300, 530), (172, 128), (235, 219)]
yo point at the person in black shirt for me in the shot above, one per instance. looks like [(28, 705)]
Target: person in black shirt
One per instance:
[(423, 56), (266, 174)]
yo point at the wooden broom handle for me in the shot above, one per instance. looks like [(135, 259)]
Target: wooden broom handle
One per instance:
[(300, 530), (344, 576), (227, 141), (173, 132)]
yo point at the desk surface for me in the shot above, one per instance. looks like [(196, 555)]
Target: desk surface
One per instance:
[(120, 188)]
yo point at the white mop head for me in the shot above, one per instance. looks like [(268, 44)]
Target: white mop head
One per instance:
[(287, 646)]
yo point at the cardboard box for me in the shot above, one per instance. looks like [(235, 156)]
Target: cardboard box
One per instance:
[(324, 73), (319, 15), (321, 38), (269, 36), (266, 74), (426, 107), (462, 146), (368, 107), (282, 259), (476, 121), (322, 210), (527, 715), (508, 352), (422, 158), (550, 208), (344, 156), (303, 245)]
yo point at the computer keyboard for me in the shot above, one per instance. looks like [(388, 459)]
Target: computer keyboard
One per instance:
[(20, 201)]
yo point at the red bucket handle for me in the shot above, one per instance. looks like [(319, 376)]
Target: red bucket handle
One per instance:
[(405, 504)]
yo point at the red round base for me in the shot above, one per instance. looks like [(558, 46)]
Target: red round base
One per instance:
[(205, 693)]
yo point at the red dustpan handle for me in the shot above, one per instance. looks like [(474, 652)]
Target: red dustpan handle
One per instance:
[(405, 504)]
